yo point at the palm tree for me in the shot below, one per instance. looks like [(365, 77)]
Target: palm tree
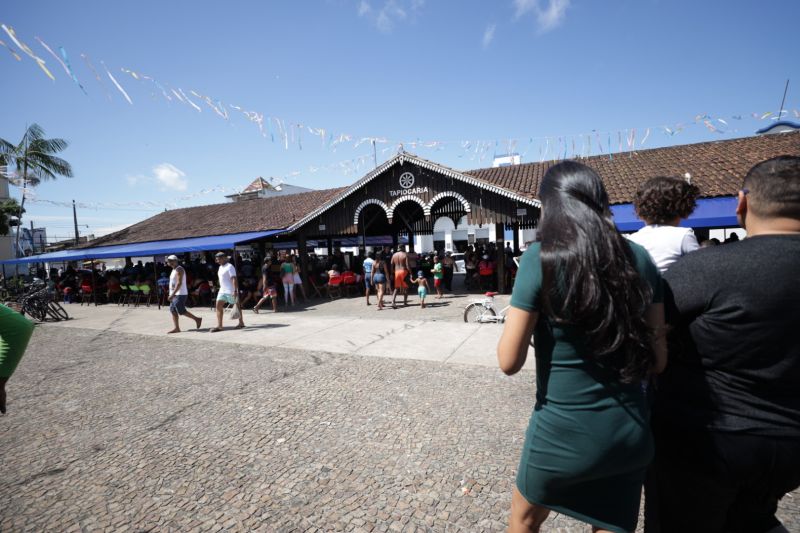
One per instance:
[(34, 161)]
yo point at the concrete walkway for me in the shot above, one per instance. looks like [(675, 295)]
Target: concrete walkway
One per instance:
[(384, 336)]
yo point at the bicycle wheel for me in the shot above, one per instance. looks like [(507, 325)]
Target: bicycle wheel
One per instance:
[(476, 312), (60, 312), (34, 310)]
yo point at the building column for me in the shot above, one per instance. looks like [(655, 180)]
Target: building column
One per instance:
[(330, 247), (395, 240), (516, 238), (410, 241), (500, 243)]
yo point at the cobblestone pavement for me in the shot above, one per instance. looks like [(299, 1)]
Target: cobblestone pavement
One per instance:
[(117, 432)]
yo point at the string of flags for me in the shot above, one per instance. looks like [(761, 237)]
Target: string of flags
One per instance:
[(355, 165), (290, 133)]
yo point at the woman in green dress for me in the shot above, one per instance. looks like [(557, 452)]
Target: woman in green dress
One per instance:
[(591, 300), (15, 332)]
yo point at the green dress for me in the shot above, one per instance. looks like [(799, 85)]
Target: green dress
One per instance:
[(588, 443)]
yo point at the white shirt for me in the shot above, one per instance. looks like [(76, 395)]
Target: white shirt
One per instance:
[(226, 274), (666, 244), (173, 282)]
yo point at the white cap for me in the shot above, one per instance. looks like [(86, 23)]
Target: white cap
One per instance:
[(172, 258)]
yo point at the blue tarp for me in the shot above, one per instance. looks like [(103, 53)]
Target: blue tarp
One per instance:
[(146, 249), (710, 213)]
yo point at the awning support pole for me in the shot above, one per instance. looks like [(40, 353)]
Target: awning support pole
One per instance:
[(158, 287), (94, 289)]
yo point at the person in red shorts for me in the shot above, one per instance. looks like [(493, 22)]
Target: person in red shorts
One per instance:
[(401, 272), (438, 276)]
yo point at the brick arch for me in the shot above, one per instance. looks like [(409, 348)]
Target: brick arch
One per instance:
[(447, 194), (371, 201), (407, 198)]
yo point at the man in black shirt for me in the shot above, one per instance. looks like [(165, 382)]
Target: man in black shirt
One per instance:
[(727, 414)]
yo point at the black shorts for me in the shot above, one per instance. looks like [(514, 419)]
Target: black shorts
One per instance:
[(714, 481)]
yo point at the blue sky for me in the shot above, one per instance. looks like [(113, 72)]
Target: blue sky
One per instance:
[(399, 70)]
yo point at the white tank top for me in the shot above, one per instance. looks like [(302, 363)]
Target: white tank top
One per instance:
[(173, 281)]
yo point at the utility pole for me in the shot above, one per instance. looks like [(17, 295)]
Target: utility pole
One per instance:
[(374, 154), (33, 244), (75, 220)]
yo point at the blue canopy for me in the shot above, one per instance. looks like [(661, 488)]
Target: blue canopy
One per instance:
[(710, 213), (146, 249)]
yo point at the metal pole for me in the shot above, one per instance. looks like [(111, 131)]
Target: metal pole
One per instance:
[(158, 287), (94, 289), (75, 220), (375, 153)]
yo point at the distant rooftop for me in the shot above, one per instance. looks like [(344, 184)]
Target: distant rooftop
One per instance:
[(262, 188)]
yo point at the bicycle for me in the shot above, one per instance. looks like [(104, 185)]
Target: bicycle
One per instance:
[(484, 311), (39, 304)]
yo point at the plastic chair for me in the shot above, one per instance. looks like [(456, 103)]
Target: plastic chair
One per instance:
[(335, 287), (134, 295), (86, 294), (146, 294)]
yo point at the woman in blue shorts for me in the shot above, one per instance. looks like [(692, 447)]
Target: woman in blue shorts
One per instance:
[(379, 277)]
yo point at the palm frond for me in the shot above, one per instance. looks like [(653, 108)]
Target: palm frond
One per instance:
[(48, 166), (48, 146)]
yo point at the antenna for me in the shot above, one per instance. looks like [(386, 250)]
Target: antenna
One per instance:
[(783, 101)]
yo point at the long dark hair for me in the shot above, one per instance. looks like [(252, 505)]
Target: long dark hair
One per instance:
[(589, 278)]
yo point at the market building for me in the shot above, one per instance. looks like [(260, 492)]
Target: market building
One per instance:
[(410, 199)]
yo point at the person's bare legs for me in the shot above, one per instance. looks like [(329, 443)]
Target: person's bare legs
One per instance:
[(197, 319), (240, 325), (259, 304), (525, 517), (220, 309), (380, 296), (176, 328), (366, 293)]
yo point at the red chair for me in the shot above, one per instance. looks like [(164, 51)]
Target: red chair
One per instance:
[(335, 286), (349, 281), (86, 294)]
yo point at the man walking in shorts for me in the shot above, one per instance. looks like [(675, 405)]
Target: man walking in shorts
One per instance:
[(366, 267), (228, 290), (401, 272), (178, 293), (727, 413)]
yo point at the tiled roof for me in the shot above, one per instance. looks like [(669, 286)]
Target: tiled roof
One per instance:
[(260, 214), (716, 167)]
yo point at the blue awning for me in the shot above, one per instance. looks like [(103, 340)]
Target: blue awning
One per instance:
[(146, 249), (710, 213)]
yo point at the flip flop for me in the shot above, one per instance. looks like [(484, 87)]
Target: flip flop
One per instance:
[(239, 326), (199, 322), (214, 330)]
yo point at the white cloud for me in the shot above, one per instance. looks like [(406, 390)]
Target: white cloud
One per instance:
[(389, 13), (171, 177), (547, 17), (165, 174), (488, 35), (523, 6)]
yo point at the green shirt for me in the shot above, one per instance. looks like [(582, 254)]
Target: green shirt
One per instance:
[(437, 271)]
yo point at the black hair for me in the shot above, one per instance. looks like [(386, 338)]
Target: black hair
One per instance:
[(774, 187), (589, 278), (661, 200), (371, 255)]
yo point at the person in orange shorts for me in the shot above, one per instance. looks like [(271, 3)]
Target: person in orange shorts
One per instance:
[(401, 272)]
